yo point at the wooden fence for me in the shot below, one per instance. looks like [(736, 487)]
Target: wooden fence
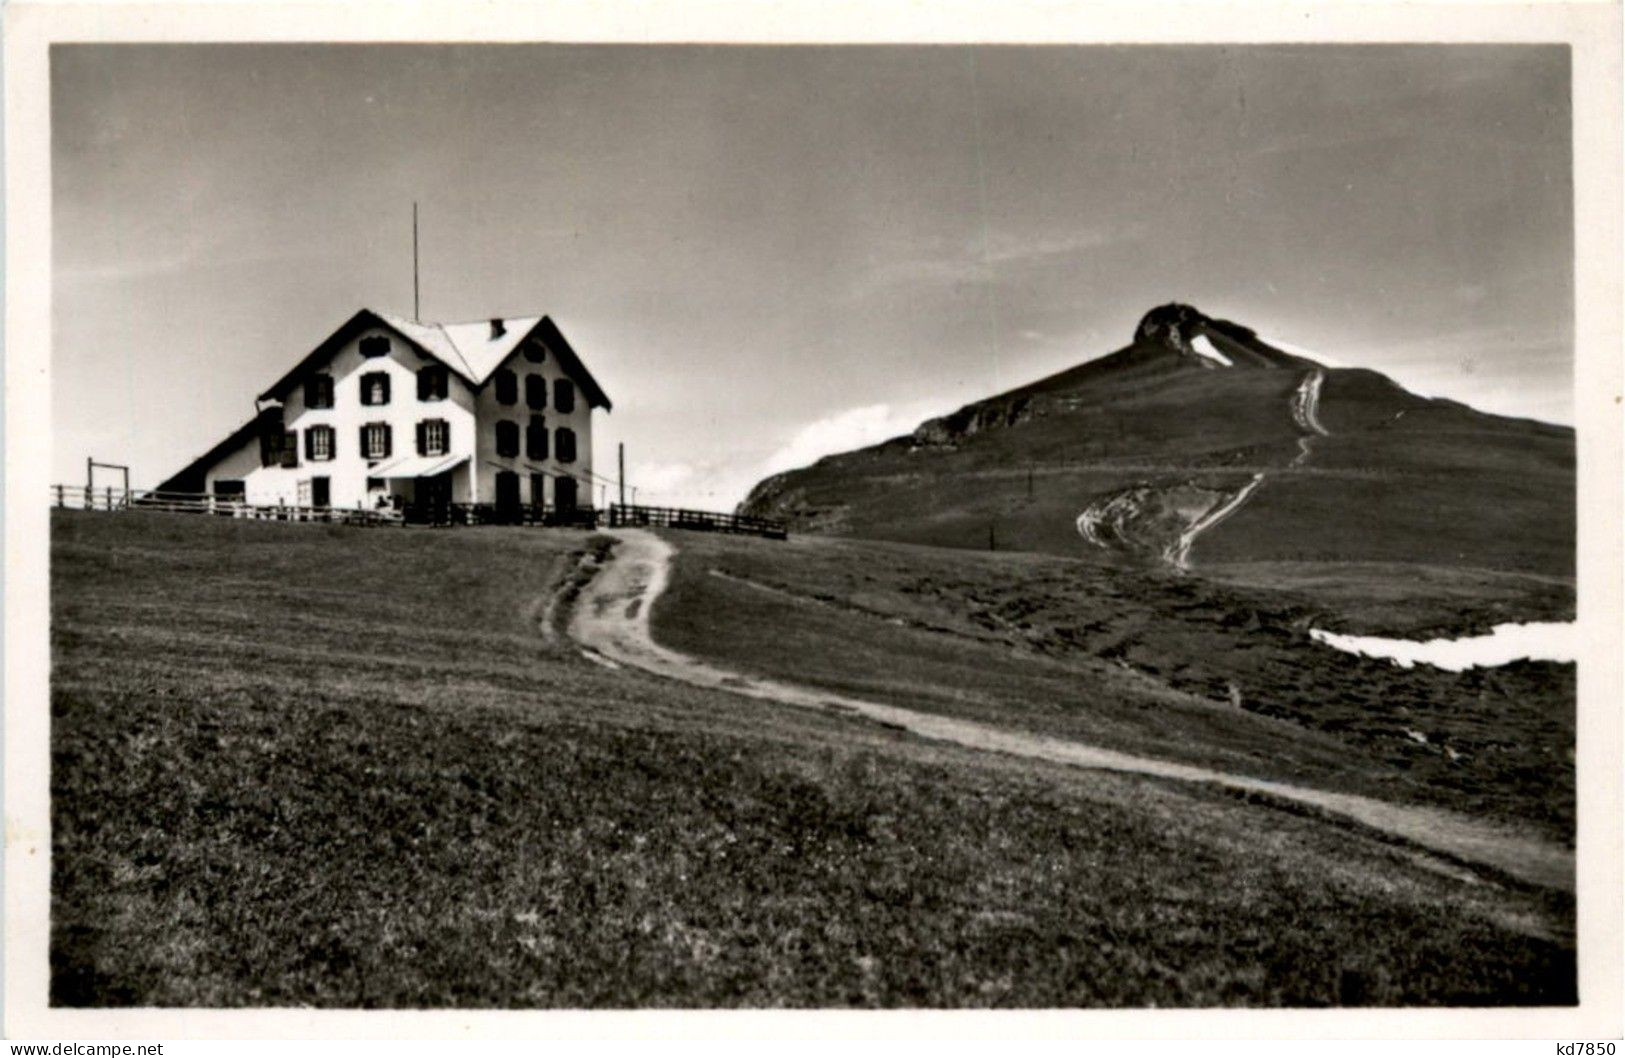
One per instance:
[(449, 514), (79, 497), (705, 521)]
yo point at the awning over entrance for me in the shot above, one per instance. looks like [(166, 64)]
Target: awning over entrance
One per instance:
[(416, 466)]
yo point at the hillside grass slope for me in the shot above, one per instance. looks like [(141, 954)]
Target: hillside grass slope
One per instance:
[(1397, 478), (1218, 672)]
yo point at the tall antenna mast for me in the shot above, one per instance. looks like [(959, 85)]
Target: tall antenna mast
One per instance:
[(415, 310)]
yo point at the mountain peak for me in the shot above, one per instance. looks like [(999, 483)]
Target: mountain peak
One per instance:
[(1173, 325), (1207, 342)]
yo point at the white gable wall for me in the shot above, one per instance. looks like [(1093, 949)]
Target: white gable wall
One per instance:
[(347, 472), (490, 412)]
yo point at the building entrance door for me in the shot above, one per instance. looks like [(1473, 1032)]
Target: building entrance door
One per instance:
[(507, 496), (321, 492), (434, 495), (564, 493)]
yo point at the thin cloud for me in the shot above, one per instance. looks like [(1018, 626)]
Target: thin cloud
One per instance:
[(968, 264)]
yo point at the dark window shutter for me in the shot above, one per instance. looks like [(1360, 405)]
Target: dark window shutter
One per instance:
[(310, 445), (423, 383), (361, 444), (387, 432), (332, 442), (564, 395), (422, 432), (383, 389), (535, 392)]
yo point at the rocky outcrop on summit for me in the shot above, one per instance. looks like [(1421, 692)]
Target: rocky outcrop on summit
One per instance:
[(1173, 325)]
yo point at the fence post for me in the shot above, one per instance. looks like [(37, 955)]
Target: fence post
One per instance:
[(61, 500), (109, 497)]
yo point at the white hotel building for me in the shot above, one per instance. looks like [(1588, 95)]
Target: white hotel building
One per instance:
[(388, 411)]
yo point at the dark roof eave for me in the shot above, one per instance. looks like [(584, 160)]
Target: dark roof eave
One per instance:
[(280, 388), (234, 439), (596, 397)]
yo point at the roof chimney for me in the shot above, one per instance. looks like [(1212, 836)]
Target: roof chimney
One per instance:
[(498, 328)]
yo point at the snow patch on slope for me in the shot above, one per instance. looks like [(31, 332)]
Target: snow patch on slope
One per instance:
[(1203, 347), (1506, 643)]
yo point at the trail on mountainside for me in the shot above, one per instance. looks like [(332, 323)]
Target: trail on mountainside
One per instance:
[(1179, 552), (611, 622), (1306, 413), (1126, 517)]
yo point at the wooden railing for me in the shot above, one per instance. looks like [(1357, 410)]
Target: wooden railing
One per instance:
[(79, 497), (496, 514), (704, 521)]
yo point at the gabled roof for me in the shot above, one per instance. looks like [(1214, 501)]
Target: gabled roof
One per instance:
[(465, 348)]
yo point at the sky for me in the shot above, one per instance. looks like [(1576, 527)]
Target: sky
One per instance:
[(768, 254)]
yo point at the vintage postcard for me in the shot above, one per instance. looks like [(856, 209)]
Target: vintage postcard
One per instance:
[(1102, 517)]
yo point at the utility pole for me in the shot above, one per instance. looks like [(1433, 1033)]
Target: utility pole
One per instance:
[(416, 318), (620, 449)]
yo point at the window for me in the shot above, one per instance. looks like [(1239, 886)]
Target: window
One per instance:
[(319, 391), (375, 388), (564, 395), (535, 352), (564, 445), (507, 387), (434, 437), (228, 489), (375, 440), (507, 439), (536, 438), (535, 392), (319, 444), (538, 489), (289, 456), (271, 442), (432, 382), (377, 345)]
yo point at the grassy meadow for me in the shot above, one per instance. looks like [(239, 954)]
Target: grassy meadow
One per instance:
[(1208, 671), (303, 765)]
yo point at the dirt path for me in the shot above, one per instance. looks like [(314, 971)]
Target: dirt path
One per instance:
[(1178, 553), (1303, 406), (611, 623)]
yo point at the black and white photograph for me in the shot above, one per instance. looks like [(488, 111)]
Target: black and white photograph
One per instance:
[(905, 525)]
